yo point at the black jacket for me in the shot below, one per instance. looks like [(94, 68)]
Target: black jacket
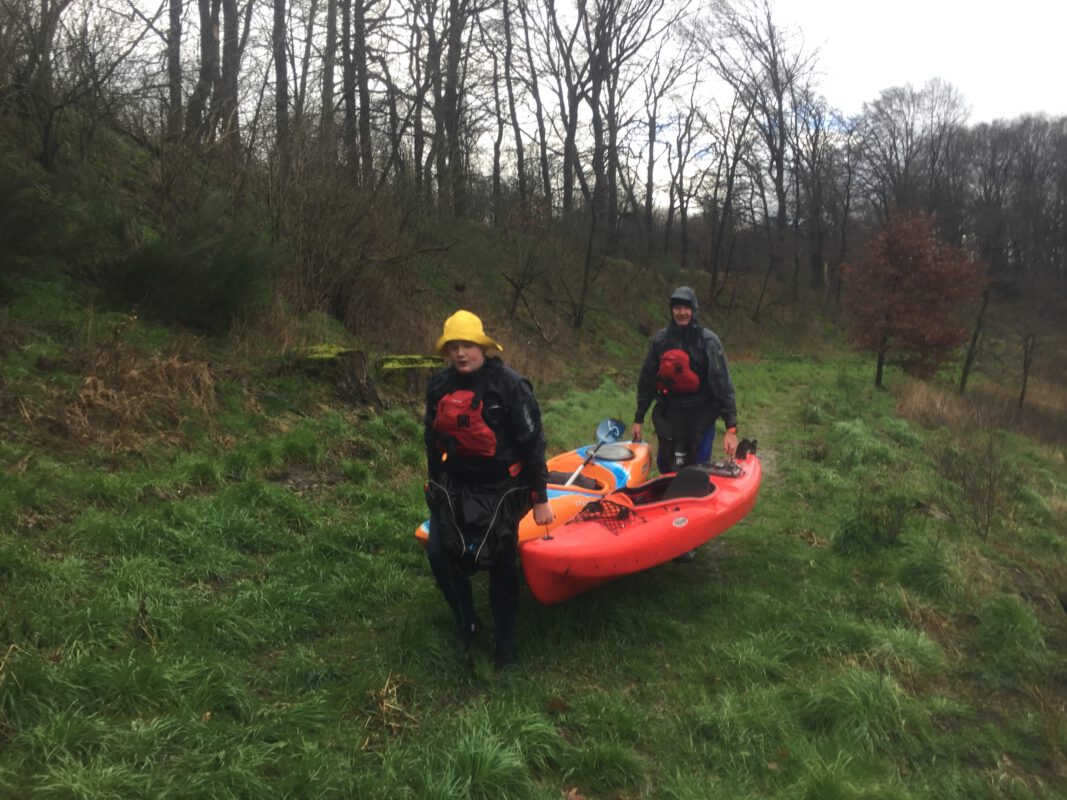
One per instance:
[(706, 358), (512, 413)]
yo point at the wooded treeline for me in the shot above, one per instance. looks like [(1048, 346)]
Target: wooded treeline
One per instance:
[(658, 129)]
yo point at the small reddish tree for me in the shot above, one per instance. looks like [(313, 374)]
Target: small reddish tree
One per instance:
[(905, 293)]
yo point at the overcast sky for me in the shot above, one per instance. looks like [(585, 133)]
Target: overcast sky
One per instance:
[(1006, 58)]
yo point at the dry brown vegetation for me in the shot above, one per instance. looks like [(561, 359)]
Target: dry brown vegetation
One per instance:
[(126, 395), (987, 407)]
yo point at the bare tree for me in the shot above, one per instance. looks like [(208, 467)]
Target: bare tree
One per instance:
[(229, 112), (683, 187), (732, 148), (453, 180), (513, 112), (208, 74), (812, 153), (908, 138), (659, 79), (329, 68), (174, 70), (60, 56), (762, 64), (622, 29), (279, 43), (304, 69), (945, 116), (532, 83), (571, 74)]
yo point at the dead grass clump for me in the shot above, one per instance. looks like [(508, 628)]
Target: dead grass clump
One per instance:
[(387, 718), (127, 395), (986, 407), (932, 407), (1043, 415)]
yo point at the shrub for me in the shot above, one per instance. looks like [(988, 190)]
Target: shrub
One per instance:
[(481, 764), (1010, 638), (865, 708), (977, 481), (855, 444), (302, 446), (901, 432), (926, 570), (205, 276), (29, 218), (876, 525)]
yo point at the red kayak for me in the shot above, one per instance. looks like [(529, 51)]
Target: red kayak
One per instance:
[(640, 527)]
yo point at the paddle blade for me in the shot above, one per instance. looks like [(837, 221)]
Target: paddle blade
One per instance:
[(608, 431)]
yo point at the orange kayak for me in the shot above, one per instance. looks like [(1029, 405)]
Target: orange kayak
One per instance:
[(614, 466), (640, 527)]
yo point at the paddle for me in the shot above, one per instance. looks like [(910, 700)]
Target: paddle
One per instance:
[(608, 431)]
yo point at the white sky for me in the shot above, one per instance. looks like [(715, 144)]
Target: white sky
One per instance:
[(1005, 58)]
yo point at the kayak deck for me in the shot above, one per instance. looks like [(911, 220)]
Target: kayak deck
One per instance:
[(637, 528)]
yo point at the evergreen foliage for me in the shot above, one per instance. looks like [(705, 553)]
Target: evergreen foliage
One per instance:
[(206, 276)]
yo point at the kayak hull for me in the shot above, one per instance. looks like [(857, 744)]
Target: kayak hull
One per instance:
[(634, 530), (621, 470)]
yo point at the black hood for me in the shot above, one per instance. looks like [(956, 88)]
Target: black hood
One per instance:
[(686, 295)]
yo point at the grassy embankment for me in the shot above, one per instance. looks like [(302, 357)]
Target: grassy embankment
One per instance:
[(218, 595)]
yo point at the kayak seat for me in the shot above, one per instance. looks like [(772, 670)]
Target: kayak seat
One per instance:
[(582, 482), (688, 482)]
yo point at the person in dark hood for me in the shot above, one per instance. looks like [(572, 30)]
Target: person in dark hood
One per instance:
[(685, 373), (485, 454)]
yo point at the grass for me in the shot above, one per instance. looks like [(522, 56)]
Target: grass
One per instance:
[(243, 612)]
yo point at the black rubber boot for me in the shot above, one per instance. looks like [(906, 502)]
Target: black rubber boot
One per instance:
[(506, 657), (468, 634)]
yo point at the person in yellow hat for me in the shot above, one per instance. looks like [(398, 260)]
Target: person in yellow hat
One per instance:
[(485, 453)]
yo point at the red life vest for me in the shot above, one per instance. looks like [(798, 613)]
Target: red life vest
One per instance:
[(675, 376), (461, 430)]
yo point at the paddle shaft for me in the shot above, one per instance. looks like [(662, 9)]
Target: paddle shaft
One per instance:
[(589, 457)]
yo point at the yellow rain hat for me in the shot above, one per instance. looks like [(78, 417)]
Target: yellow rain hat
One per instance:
[(463, 326)]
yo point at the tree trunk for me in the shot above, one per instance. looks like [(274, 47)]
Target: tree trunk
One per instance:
[(348, 87), (418, 134), (396, 132), (509, 81), (539, 112), (498, 142), (361, 59), (231, 65), (1029, 344), (209, 66), (300, 100), (611, 171), (42, 94), (972, 348), (281, 84), (650, 167), (174, 71), (329, 65), (570, 155), (456, 186), (439, 145)]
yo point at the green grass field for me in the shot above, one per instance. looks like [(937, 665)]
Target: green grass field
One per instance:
[(229, 603)]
